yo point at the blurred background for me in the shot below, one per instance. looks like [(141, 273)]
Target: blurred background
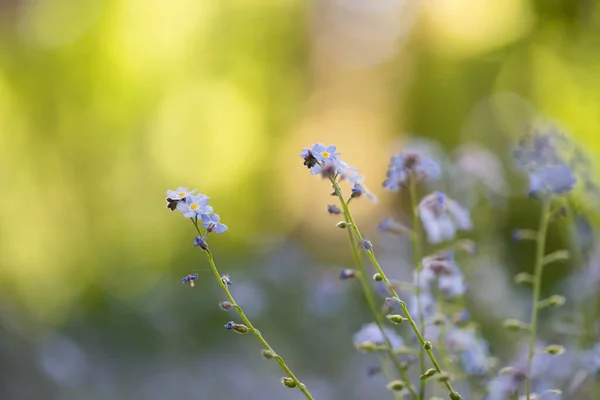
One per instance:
[(106, 104)]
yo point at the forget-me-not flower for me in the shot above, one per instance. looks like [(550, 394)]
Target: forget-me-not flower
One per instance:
[(194, 206), (212, 224), (180, 193), (442, 217), (322, 153), (405, 164), (551, 179), (359, 190), (441, 271), (189, 279)]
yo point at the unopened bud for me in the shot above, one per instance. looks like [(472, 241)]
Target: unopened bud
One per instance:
[(342, 224), (365, 347), (455, 396), (523, 277), (515, 325), (238, 328), (288, 382), (367, 245), (377, 277), (268, 354), (559, 255), (347, 273), (427, 345), (555, 300), (554, 349), (333, 209), (225, 305), (428, 374), (396, 385), (395, 318), (443, 377)]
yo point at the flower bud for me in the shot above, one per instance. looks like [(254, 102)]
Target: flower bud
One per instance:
[(225, 305), (374, 370), (268, 354), (515, 325), (367, 245), (455, 396), (395, 318), (199, 241), (342, 224), (523, 277), (555, 300), (377, 277), (428, 374), (288, 382), (238, 328), (333, 209), (347, 273), (396, 385), (366, 347), (427, 345), (559, 255), (226, 280), (443, 377), (554, 349)]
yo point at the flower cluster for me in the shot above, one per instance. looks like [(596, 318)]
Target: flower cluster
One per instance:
[(195, 206), (407, 164), (542, 155), (325, 160)]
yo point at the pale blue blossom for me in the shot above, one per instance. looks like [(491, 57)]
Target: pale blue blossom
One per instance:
[(442, 217), (194, 206), (212, 223)]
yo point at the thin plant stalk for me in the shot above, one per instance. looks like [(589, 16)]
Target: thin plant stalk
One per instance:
[(454, 395), (368, 292), (415, 238), (247, 322), (537, 283)]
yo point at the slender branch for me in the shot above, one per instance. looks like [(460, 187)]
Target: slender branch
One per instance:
[(416, 250), (368, 292), (537, 283), (247, 322), (454, 395)]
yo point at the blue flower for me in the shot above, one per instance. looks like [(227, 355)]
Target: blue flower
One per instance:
[(226, 280), (473, 351), (212, 224), (189, 279), (333, 209), (592, 359), (194, 206), (551, 179), (322, 153), (442, 217), (405, 164), (359, 190), (229, 325), (199, 241), (441, 271), (180, 193), (392, 226)]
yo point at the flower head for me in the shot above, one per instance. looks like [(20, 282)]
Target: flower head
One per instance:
[(442, 217), (551, 179), (194, 206), (322, 153), (189, 279), (407, 164), (212, 224), (359, 190), (199, 241), (180, 193)]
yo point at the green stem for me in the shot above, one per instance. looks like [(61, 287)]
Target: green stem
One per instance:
[(368, 292), (415, 238), (255, 331), (453, 394), (537, 284)]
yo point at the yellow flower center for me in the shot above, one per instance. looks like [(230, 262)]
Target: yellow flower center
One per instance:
[(193, 207), (325, 154), (182, 194)]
